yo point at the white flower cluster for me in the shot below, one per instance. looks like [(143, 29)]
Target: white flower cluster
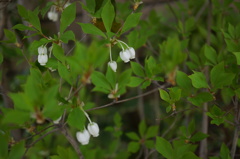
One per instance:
[(92, 129), (42, 55), (126, 55)]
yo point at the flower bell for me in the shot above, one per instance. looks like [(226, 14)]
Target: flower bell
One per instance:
[(131, 52), (83, 137), (42, 50), (113, 65), (52, 14), (93, 129), (125, 56), (42, 55)]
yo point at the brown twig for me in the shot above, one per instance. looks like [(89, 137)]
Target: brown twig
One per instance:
[(39, 139), (128, 99), (72, 141)]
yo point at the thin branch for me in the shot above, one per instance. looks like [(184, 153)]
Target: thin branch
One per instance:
[(72, 141), (39, 139), (128, 99)]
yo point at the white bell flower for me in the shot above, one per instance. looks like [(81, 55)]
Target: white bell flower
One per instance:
[(131, 52), (125, 56), (42, 50), (113, 65), (52, 14), (42, 59), (83, 137), (93, 129)]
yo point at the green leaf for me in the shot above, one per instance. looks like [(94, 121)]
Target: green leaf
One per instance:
[(89, 28), (152, 131), (117, 120), (133, 147), (17, 150), (219, 77), (199, 80), (142, 128), (66, 36), (164, 95), (77, 119), (164, 148), (3, 145), (135, 81), (34, 20), (190, 155), (22, 27), (67, 17), (22, 11), (125, 78), (137, 69), (64, 73), (133, 136), (145, 84), (58, 52), (131, 21), (198, 137), (100, 80), (21, 101), (201, 98), (183, 81), (16, 117), (175, 94), (46, 8), (191, 127), (10, 36), (91, 4), (210, 54), (237, 54), (108, 15), (224, 152), (1, 58)]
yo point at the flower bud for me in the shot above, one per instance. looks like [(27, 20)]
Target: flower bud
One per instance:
[(93, 129), (57, 120), (83, 137), (131, 52), (42, 59), (125, 56), (113, 65)]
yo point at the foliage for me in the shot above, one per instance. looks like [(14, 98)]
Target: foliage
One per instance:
[(188, 54)]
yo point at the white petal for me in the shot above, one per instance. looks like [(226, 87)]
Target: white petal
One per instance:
[(125, 56), (44, 60), (93, 129), (42, 50), (113, 65), (83, 137), (131, 52)]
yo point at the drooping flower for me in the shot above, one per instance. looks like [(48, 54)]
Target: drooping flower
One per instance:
[(42, 59), (83, 137), (125, 56), (131, 52), (52, 14), (42, 55), (42, 50), (93, 129), (113, 65)]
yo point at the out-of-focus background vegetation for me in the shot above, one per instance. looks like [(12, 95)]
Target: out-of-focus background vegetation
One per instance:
[(178, 97)]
